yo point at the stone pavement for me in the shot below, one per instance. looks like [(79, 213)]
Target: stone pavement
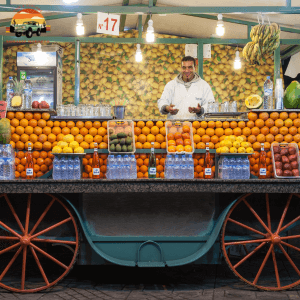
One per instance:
[(200, 282)]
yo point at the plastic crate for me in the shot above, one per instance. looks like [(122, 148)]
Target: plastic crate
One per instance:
[(119, 132), (179, 129), (285, 146)]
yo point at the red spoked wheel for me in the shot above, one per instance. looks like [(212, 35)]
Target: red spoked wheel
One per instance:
[(261, 241), (40, 243)]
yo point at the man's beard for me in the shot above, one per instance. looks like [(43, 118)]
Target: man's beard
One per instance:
[(187, 79)]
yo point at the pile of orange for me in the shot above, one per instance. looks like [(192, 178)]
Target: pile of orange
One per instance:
[(142, 163), (42, 163), (254, 164), (179, 139), (199, 167), (87, 162)]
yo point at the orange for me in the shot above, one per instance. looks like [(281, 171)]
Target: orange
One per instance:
[(246, 131), (261, 138), (105, 139), (293, 115), (252, 116), (142, 138), (265, 130), (32, 123), (259, 123), (75, 131), (173, 130), (44, 168), (147, 145), (171, 149), (66, 130), (252, 139), (283, 115), (256, 146), (155, 130), (85, 145), (241, 124), (47, 146), (219, 124), (104, 124), (33, 138), (102, 131), (24, 138), (219, 132), (60, 137), (269, 123), (159, 124), (177, 135), (210, 124), (201, 131), (233, 124), (15, 137), (237, 131), (150, 138), (145, 130), (15, 122), (70, 124), (228, 131), (60, 124), (296, 122), (250, 124), (19, 115), (28, 130), (51, 137), (206, 138), (159, 138), (137, 130), (79, 124), (42, 138), (288, 123), (156, 145), (226, 124), (42, 123), (97, 139), (274, 115), (274, 130), (214, 139), (203, 124), (283, 130), (163, 145), (20, 145), (297, 138), (263, 115), (279, 123), (88, 124), (179, 142), (10, 115), (188, 148), (196, 124), (96, 124), (46, 116), (12, 129), (56, 130), (49, 124), (170, 136), (179, 148), (210, 131), (279, 138), (140, 124), (288, 138), (200, 145), (270, 138), (197, 138), (83, 131), (47, 130), (149, 124), (293, 130), (24, 122), (88, 138), (92, 131)]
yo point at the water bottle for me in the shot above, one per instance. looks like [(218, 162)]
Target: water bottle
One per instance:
[(133, 168), (220, 167), (119, 167), (70, 168), (64, 170), (268, 94), (239, 168), (108, 169), (182, 166), (2, 168), (246, 168), (126, 174), (113, 167), (27, 103), (190, 167), (77, 168), (176, 167), (6, 168), (9, 91), (279, 94), (56, 168), (225, 168)]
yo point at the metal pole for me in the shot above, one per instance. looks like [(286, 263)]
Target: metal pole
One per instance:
[(276, 64), (1, 65), (200, 58), (140, 27), (77, 72)]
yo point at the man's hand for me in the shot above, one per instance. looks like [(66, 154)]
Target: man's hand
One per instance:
[(196, 110), (171, 110)]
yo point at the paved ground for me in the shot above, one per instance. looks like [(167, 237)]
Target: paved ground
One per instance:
[(203, 282)]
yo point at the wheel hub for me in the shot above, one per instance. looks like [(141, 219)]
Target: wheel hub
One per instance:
[(25, 240), (275, 239)]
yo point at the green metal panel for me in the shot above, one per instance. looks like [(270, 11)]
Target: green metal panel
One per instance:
[(276, 64), (140, 28), (77, 72), (200, 58), (123, 17), (293, 50)]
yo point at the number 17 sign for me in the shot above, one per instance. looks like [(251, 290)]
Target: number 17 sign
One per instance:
[(108, 24)]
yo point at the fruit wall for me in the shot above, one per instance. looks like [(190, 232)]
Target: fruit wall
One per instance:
[(110, 74), (45, 134)]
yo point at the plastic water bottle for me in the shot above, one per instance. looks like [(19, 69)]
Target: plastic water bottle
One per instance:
[(239, 168), (133, 168), (225, 168), (70, 168), (183, 167), (27, 93), (245, 168), (119, 167), (64, 170), (112, 167), (190, 167), (279, 94), (126, 174), (220, 167), (176, 167), (268, 94), (9, 91), (56, 168), (77, 168), (2, 168)]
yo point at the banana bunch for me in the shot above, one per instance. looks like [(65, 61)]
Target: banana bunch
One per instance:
[(265, 39)]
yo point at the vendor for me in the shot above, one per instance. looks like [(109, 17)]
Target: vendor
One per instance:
[(187, 96)]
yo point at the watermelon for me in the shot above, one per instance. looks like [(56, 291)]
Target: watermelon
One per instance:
[(5, 131), (292, 96)]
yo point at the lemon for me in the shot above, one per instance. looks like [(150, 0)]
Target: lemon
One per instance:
[(68, 138), (232, 138), (241, 150), (67, 150), (74, 145), (228, 144), (236, 144), (62, 144), (56, 149), (227, 138), (245, 144), (225, 150), (218, 150), (78, 150), (233, 150), (249, 150), (239, 139), (222, 143)]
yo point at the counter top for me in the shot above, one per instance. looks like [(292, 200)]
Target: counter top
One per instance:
[(150, 185)]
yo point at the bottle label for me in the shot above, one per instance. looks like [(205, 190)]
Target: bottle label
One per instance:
[(29, 172), (152, 171), (207, 148), (262, 171), (268, 92), (96, 171), (207, 171)]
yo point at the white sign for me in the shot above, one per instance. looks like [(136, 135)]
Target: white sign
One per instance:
[(108, 24), (207, 51), (191, 50)]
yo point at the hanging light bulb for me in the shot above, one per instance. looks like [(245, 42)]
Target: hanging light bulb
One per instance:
[(220, 30), (138, 53), (237, 61), (79, 25), (40, 55), (150, 32)]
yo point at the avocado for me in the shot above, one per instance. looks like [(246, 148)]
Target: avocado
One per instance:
[(112, 148), (113, 137), (129, 148), (122, 141), (118, 148), (121, 135), (124, 148), (114, 142), (129, 134), (128, 141)]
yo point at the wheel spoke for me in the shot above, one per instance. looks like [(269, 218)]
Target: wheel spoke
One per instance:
[(14, 213), (289, 224), (27, 213), (24, 268), (51, 227), (284, 213), (263, 265), (10, 263), (9, 248), (49, 256), (247, 227), (41, 217), (9, 238), (290, 237), (39, 265), (246, 250), (247, 242), (275, 268), (53, 241), (291, 246), (289, 259), (268, 211), (250, 254), (257, 216), (10, 230)]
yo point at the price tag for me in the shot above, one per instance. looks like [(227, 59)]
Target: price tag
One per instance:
[(263, 171), (207, 171), (29, 172), (3, 106), (108, 24), (152, 171), (22, 75), (96, 171)]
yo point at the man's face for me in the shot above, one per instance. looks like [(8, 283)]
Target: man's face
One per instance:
[(187, 70)]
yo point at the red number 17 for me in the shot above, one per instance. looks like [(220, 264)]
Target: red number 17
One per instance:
[(107, 20)]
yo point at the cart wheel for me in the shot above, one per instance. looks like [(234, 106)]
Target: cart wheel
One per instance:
[(260, 240), (34, 224)]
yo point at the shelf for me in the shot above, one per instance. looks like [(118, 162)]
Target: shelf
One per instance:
[(69, 154), (138, 151), (63, 118), (33, 110), (224, 114), (276, 110)]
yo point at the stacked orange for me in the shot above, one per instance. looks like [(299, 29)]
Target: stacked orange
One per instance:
[(42, 163), (142, 163), (87, 165), (254, 164), (179, 139), (199, 165), (147, 132)]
